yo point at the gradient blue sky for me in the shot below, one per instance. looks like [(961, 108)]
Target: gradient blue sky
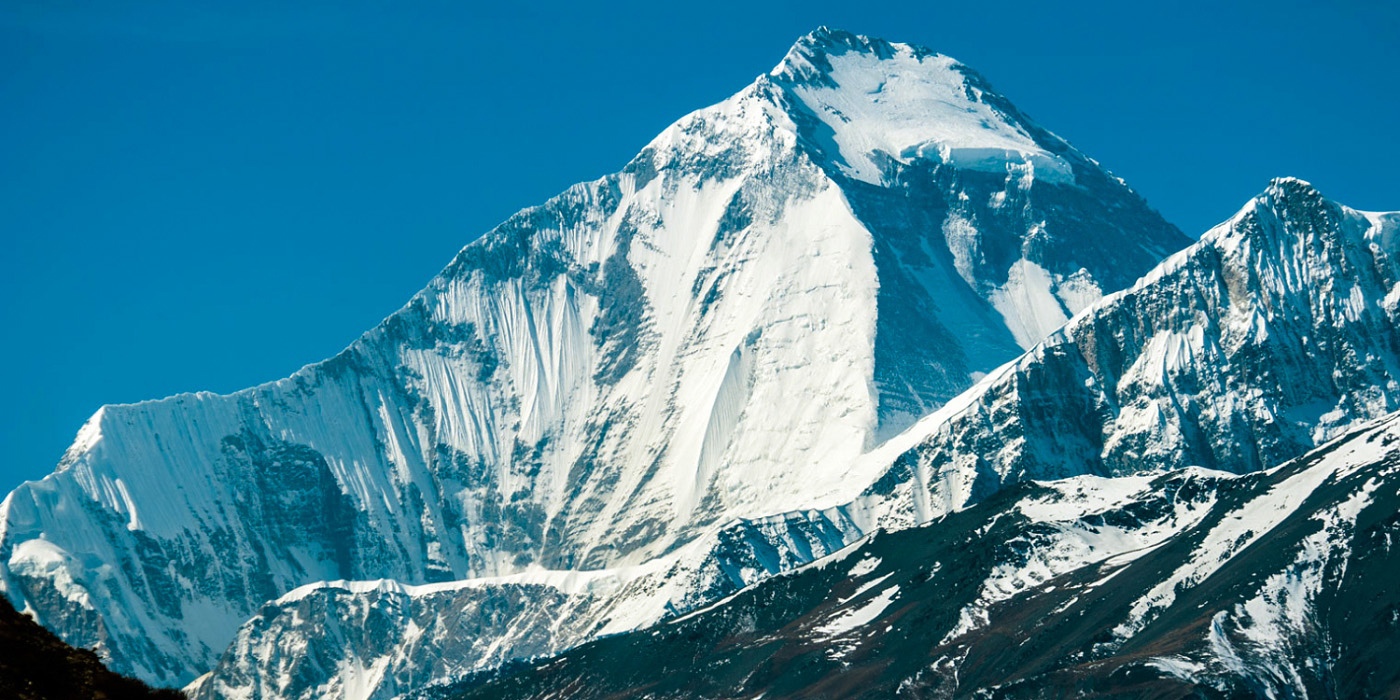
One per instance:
[(196, 197)]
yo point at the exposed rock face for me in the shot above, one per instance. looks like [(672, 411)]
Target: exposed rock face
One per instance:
[(716, 333)]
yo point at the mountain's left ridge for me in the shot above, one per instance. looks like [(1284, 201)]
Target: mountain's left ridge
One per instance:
[(604, 378)]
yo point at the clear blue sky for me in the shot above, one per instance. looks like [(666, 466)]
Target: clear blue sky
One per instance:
[(197, 197)]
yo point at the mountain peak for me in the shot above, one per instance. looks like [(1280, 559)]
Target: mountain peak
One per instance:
[(1289, 181), (830, 41), (1293, 199), (880, 103), (1282, 190), (809, 61)]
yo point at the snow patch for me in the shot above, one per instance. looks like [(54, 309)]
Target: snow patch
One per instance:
[(851, 620), (865, 566), (1028, 303)]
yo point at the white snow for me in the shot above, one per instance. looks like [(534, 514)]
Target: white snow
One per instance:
[(1072, 544), (865, 566), (1178, 667), (860, 616), (1248, 523), (41, 558), (911, 106), (1028, 303)]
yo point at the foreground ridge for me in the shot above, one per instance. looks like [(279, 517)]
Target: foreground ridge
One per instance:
[(35, 665), (1181, 583)]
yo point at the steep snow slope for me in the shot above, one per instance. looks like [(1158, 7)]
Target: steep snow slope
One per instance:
[(1248, 311), (1272, 584), (722, 329)]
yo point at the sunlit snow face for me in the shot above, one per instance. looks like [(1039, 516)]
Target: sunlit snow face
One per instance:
[(912, 106)]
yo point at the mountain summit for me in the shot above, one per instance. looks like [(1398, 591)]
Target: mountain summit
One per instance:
[(882, 104), (722, 331)]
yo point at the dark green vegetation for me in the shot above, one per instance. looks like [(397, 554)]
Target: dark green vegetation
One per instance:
[(36, 665), (1050, 639)]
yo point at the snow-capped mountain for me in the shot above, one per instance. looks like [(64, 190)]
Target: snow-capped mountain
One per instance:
[(1276, 331), (1181, 583), (630, 377)]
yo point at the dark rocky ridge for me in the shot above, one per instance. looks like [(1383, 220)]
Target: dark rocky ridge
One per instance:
[(36, 665)]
